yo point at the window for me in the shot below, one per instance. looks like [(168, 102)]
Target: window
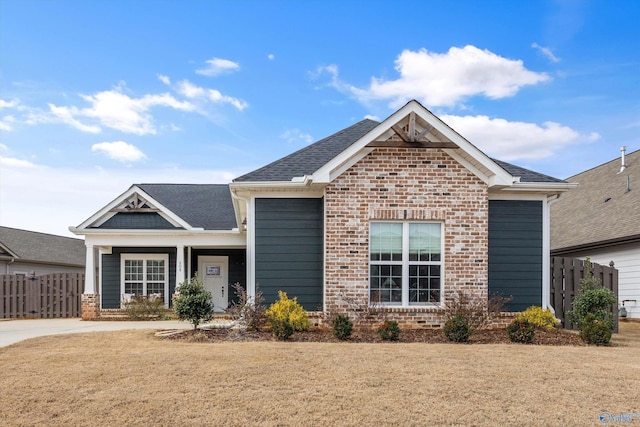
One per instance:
[(145, 274), (405, 263)]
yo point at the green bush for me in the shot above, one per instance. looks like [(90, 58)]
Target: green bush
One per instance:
[(193, 302), (389, 330), (595, 331), (539, 317), (457, 329), (592, 299), (287, 316), (521, 330), (342, 326)]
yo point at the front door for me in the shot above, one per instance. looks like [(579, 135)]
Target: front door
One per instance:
[(213, 271)]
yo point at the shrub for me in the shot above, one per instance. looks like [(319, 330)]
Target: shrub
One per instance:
[(521, 331), (592, 299), (342, 326), (193, 302), (457, 329), (595, 331), (478, 311), (539, 317), (251, 311), (141, 307), (389, 330), (287, 316)]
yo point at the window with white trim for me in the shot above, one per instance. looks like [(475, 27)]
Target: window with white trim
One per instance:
[(145, 275), (405, 263)]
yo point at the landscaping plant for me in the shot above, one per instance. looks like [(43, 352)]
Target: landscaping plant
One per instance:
[(251, 311), (520, 330), (539, 317), (592, 305), (389, 330), (457, 329), (342, 326), (595, 331), (142, 308), (477, 310), (193, 302), (287, 316)]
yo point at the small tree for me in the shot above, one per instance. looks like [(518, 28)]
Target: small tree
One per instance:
[(287, 316), (592, 298), (193, 302), (250, 311)]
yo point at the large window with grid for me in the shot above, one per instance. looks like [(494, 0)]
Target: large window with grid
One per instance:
[(145, 275), (405, 263)]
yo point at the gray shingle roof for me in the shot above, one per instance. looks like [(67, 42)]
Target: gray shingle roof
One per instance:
[(525, 175), (207, 206), (41, 247), (600, 208), (311, 158)]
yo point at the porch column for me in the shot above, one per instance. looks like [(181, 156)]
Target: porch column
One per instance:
[(90, 272), (180, 276), (90, 300)]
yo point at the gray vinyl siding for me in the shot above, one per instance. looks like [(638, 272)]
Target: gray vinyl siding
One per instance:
[(515, 252), (110, 289), (237, 266), (137, 221), (288, 249)]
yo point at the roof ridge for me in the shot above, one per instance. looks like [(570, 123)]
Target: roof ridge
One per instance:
[(40, 232), (616, 159)]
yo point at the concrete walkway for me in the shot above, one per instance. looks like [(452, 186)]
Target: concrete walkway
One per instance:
[(13, 331)]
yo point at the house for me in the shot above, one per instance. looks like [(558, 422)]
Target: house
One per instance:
[(600, 219), (402, 213), (29, 253)]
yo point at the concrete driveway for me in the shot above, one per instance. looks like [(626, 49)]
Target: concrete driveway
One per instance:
[(13, 331)]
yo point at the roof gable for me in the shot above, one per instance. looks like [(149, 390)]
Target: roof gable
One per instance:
[(167, 206)]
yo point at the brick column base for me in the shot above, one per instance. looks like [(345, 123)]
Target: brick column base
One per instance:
[(90, 306)]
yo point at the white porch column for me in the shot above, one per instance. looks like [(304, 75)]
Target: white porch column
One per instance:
[(180, 276), (90, 272)]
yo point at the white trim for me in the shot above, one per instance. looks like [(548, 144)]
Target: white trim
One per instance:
[(105, 213), (146, 257), (230, 241), (90, 270), (406, 263), (546, 252), (251, 248)]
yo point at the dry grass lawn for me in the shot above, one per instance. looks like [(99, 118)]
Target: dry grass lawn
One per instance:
[(133, 378)]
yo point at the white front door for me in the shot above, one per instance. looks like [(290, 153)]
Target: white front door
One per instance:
[(213, 272)]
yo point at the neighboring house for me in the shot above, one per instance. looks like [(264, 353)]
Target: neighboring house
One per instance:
[(403, 213), (29, 253), (601, 219)]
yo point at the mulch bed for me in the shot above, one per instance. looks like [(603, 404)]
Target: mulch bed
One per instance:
[(491, 336)]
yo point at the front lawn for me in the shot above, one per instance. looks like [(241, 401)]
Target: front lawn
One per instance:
[(134, 378)]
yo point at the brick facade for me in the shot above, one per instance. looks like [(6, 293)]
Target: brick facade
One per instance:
[(90, 306), (400, 184)]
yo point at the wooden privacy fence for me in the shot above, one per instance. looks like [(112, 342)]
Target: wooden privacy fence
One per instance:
[(566, 274), (42, 297)]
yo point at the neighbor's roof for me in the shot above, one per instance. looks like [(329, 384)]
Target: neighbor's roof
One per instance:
[(311, 158), (600, 210), (40, 247), (207, 206)]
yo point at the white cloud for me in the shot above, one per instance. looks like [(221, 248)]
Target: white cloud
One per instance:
[(10, 162), (119, 150), (6, 122), (296, 135), (507, 140), (271, 56), (217, 66), (443, 79), (113, 109), (546, 52), (192, 91), (9, 104), (164, 79), (372, 117)]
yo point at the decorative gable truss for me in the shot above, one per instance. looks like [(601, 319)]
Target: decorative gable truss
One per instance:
[(134, 209)]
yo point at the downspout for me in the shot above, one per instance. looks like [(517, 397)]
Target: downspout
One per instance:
[(546, 251), (251, 287), (9, 263)]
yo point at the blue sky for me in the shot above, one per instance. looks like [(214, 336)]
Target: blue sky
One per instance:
[(98, 95)]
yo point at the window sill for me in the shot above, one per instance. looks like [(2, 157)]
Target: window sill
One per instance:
[(409, 309)]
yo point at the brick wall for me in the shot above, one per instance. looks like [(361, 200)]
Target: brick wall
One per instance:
[(405, 184)]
